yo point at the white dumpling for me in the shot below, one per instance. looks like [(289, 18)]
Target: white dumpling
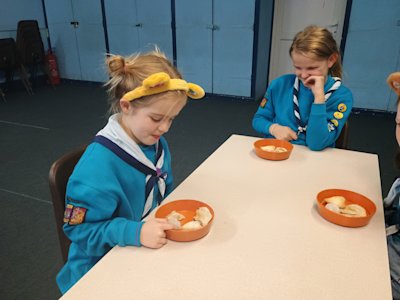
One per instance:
[(174, 217), (354, 210), (333, 207), (270, 148), (203, 215), (192, 225), (280, 149), (338, 200)]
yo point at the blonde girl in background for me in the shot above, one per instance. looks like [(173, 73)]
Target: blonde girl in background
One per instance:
[(311, 106)]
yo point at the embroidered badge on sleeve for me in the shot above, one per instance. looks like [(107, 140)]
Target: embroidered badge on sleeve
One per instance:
[(338, 115), (342, 107), (335, 122), (77, 216), (68, 212), (263, 102)]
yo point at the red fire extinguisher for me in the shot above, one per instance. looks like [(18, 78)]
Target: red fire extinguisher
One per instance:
[(51, 60)]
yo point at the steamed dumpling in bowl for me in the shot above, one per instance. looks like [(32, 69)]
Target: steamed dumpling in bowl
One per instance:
[(192, 225), (203, 215), (174, 219)]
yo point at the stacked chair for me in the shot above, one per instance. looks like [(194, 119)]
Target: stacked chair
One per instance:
[(30, 47), (9, 62)]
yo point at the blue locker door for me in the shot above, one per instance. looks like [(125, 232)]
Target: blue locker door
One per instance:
[(372, 52), (90, 39), (155, 19), (122, 27), (63, 39), (194, 41), (233, 47)]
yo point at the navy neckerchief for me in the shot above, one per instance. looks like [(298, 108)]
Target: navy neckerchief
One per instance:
[(155, 175)]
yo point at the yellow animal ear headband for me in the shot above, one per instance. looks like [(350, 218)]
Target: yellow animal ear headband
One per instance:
[(394, 82), (161, 82)]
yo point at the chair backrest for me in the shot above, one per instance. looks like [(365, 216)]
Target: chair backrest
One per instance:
[(59, 174), (8, 54), (29, 42), (343, 138)]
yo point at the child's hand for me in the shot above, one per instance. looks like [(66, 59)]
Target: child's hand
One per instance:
[(282, 132), (153, 233), (316, 85)]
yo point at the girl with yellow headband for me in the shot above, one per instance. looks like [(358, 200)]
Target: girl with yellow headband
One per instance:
[(126, 171)]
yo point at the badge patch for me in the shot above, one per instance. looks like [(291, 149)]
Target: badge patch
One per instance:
[(68, 212), (331, 127), (335, 122), (263, 102), (77, 216), (338, 115), (342, 107)]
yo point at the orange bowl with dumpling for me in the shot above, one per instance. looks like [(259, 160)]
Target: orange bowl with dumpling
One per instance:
[(193, 217), (354, 209), (273, 149)]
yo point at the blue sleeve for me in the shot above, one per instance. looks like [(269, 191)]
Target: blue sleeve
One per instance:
[(324, 125), (100, 230), (263, 118)]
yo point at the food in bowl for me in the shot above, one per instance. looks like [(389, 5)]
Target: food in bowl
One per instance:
[(202, 217), (272, 148), (338, 205), (187, 208), (174, 219), (333, 213), (191, 225), (338, 201)]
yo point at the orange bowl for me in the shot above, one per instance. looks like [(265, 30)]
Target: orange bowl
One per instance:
[(188, 209), (351, 198), (272, 155)]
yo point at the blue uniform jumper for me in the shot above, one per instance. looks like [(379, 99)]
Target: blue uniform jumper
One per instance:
[(116, 193), (324, 121)]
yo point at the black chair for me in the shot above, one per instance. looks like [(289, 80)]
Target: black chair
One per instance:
[(343, 139), (9, 62), (59, 174), (30, 47)]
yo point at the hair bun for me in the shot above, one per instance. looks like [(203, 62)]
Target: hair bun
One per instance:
[(116, 65)]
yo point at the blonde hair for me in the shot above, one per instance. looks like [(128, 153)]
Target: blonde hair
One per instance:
[(318, 43), (128, 73)]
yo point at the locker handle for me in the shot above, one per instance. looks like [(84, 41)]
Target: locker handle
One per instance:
[(212, 27), (139, 25), (75, 24)]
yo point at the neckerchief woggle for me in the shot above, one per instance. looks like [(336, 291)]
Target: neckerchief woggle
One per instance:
[(301, 127), (113, 137)]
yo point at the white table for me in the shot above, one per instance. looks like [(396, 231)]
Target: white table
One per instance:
[(267, 241)]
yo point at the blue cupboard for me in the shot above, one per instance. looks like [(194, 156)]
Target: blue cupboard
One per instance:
[(138, 25), (372, 52), (77, 35)]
